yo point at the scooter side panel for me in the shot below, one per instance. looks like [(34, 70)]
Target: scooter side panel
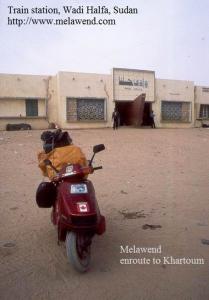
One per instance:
[(78, 212), (77, 204)]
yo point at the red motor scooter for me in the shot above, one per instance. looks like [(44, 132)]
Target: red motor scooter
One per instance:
[(75, 210)]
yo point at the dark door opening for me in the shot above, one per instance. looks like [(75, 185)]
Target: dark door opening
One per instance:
[(146, 114), (131, 112), (125, 112)]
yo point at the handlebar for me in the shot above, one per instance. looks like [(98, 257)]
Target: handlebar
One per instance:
[(97, 168)]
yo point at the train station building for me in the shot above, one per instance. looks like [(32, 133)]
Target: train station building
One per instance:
[(87, 100)]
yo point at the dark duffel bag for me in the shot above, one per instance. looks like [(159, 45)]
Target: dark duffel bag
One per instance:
[(55, 139), (46, 194), (21, 126)]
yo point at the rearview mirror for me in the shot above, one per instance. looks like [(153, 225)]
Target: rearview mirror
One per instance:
[(98, 148)]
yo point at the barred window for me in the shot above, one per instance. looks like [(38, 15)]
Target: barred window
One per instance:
[(85, 109), (205, 90), (176, 111), (204, 111)]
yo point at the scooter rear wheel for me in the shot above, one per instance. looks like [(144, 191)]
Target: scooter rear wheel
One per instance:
[(78, 251)]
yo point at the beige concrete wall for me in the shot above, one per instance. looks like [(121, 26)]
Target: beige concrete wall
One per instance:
[(202, 94), (12, 107), (53, 101), (14, 89), (17, 108), (173, 90), (42, 108), (23, 86), (76, 85)]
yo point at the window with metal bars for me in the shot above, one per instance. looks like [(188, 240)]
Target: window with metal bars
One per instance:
[(204, 111), (176, 111), (205, 90), (85, 109)]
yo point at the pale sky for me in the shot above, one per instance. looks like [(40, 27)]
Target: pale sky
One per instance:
[(170, 37)]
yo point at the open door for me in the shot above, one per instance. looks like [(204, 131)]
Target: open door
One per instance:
[(146, 115), (138, 110), (131, 112)]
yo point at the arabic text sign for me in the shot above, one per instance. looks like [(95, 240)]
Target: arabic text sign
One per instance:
[(142, 83), (129, 84)]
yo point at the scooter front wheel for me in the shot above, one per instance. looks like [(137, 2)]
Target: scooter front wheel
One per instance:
[(78, 250)]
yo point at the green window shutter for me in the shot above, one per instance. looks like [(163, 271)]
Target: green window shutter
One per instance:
[(31, 107)]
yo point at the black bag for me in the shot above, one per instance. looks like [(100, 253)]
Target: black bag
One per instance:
[(55, 139), (21, 126), (46, 194)]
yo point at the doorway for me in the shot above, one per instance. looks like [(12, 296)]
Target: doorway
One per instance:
[(146, 114), (131, 112), (125, 112)]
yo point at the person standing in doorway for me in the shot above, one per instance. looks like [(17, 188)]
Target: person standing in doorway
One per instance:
[(152, 119), (115, 118)]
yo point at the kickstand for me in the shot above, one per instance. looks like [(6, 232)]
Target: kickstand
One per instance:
[(58, 240)]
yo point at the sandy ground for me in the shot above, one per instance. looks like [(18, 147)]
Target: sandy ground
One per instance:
[(155, 177)]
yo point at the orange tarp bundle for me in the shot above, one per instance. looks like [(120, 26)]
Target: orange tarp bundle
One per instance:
[(60, 157)]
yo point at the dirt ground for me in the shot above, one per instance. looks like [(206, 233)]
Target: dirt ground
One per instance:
[(154, 177)]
